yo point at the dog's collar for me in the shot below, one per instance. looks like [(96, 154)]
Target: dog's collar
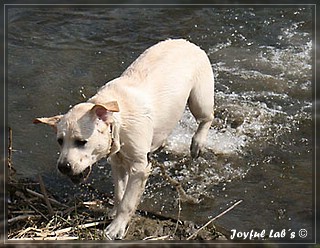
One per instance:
[(112, 140)]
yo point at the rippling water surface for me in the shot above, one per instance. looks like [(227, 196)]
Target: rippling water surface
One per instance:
[(260, 146)]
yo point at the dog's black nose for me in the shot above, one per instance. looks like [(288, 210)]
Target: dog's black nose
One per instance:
[(64, 168)]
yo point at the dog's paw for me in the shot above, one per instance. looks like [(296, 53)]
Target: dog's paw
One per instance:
[(196, 148), (115, 230)]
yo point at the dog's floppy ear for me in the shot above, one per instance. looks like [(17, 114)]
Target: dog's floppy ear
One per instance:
[(51, 121), (104, 111)]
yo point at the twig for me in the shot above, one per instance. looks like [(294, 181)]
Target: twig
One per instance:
[(68, 229), (12, 170), (183, 195), (22, 196), (23, 217), (24, 231), (157, 238), (22, 212), (178, 219), (126, 232), (45, 195), (47, 238), (213, 219), (42, 197)]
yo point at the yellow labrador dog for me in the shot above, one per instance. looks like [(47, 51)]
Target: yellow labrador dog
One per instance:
[(132, 116)]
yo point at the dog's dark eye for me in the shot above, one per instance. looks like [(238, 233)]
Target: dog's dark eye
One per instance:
[(60, 141), (80, 143)]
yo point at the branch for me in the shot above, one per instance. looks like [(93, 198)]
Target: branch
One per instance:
[(213, 219)]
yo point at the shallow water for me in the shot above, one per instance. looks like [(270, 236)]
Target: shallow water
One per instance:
[(260, 147)]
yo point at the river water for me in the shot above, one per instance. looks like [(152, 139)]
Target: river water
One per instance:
[(260, 148)]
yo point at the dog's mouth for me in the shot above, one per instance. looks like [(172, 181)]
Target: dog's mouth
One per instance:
[(81, 177)]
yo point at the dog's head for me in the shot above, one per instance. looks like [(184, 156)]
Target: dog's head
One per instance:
[(86, 133)]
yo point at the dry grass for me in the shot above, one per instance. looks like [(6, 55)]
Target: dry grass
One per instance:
[(36, 216)]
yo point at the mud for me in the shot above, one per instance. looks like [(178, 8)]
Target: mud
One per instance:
[(155, 228)]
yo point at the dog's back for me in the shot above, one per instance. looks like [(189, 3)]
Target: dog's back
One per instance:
[(172, 73), (161, 82)]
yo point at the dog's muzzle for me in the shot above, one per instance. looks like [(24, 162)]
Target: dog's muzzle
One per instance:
[(66, 169)]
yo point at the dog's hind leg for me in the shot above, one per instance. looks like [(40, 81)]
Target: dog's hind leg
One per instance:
[(201, 102)]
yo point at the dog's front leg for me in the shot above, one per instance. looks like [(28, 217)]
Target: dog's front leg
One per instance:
[(120, 177), (138, 175)]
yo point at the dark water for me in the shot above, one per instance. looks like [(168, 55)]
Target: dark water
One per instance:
[(260, 148)]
